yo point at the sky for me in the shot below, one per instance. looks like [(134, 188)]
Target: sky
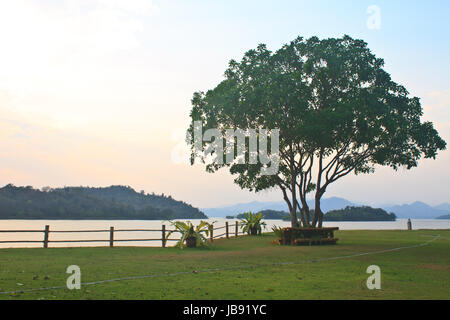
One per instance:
[(97, 92)]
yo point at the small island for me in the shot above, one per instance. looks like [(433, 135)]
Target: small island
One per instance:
[(364, 213), (350, 213), (266, 214)]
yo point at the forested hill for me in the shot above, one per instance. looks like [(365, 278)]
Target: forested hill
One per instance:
[(350, 213), (364, 213), (115, 202)]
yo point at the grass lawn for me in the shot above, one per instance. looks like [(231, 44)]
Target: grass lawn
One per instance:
[(413, 273)]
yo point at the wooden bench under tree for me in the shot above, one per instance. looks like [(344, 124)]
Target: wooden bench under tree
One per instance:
[(308, 236)]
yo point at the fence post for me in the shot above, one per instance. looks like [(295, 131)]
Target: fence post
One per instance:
[(236, 232), (163, 235), (46, 232), (111, 237), (226, 224), (211, 230)]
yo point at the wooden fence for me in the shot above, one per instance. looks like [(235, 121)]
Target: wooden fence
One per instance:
[(229, 230)]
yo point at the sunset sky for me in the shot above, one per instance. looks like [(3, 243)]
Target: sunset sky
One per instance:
[(97, 92)]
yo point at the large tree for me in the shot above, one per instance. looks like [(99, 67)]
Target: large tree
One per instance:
[(337, 111)]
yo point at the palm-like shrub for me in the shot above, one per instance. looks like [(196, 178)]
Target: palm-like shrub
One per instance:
[(278, 231), (190, 235), (252, 223)]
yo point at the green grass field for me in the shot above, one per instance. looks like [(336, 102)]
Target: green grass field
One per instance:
[(254, 270)]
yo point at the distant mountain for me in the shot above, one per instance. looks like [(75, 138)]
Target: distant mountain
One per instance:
[(445, 216), (443, 206), (254, 206), (417, 210), (115, 202), (332, 203)]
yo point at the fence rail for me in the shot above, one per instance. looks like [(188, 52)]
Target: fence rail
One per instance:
[(229, 231)]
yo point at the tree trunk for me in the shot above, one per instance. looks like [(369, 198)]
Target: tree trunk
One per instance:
[(305, 213), (319, 193), (292, 209), (302, 217), (318, 214), (320, 217), (294, 221), (308, 218)]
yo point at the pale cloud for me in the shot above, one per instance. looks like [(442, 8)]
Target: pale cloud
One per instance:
[(60, 58), (6, 98), (436, 106), (91, 25), (437, 103), (35, 152), (139, 7), (38, 38)]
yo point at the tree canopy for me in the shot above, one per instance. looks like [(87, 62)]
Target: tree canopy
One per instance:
[(337, 110)]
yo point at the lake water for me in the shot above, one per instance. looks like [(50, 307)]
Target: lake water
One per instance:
[(65, 225)]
